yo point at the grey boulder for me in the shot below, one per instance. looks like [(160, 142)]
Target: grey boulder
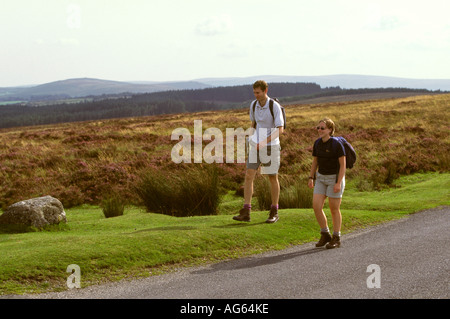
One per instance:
[(37, 212)]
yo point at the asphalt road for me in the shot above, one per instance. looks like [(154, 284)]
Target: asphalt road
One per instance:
[(409, 258)]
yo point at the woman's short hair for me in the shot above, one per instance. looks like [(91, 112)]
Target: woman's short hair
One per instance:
[(330, 124)]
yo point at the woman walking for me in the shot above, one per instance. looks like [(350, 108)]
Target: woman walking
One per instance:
[(327, 177)]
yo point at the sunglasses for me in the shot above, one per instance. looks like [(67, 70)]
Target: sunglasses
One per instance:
[(321, 128)]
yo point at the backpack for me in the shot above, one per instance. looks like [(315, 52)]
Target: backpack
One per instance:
[(271, 111), (350, 154)]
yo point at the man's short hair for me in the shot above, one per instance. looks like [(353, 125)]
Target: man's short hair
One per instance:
[(260, 84)]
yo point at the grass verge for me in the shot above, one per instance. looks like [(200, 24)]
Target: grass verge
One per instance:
[(141, 244)]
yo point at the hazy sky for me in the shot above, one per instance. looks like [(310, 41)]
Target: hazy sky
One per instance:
[(171, 40)]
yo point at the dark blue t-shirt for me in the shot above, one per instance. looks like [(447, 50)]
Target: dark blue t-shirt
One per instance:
[(328, 156)]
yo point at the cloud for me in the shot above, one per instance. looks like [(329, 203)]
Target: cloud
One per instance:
[(69, 42), (62, 42), (234, 49), (214, 25), (39, 41), (388, 23), (378, 19)]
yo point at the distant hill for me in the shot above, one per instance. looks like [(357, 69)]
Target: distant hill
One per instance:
[(345, 81), (174, 101), (83, 87), (93, 87)]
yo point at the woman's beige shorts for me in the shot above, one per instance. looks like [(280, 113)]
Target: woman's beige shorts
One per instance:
[(325, 185)]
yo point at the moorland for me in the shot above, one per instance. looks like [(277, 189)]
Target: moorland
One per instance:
[(402, 167), (84, 162)]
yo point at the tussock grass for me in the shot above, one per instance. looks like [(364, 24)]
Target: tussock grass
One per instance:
[(80, 162), (294, 192), (189, 192), (113, 206), (397, 142)]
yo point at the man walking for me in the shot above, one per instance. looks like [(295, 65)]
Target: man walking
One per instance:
[(264, 149)]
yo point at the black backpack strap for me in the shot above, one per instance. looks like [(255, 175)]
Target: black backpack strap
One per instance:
[(317, 142), (271, 108), (254, 118), (335, 143)]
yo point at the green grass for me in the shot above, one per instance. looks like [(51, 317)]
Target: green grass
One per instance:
[(412, 193), (141, 244)]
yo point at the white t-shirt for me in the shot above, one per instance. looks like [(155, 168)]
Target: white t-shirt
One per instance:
[(265, 123)]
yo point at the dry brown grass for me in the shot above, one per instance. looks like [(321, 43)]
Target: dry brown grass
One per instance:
[(81, 162)]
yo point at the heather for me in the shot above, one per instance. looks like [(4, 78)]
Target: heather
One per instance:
[(402, 167), (88, 162)]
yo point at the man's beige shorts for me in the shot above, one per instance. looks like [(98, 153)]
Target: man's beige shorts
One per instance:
[(268, 157)]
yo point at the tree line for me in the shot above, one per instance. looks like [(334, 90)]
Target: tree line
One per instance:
[(147, 104)]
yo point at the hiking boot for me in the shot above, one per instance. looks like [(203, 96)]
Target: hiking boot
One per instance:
[(273, 216), (244, 215), (324, 238), (335, 242)]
